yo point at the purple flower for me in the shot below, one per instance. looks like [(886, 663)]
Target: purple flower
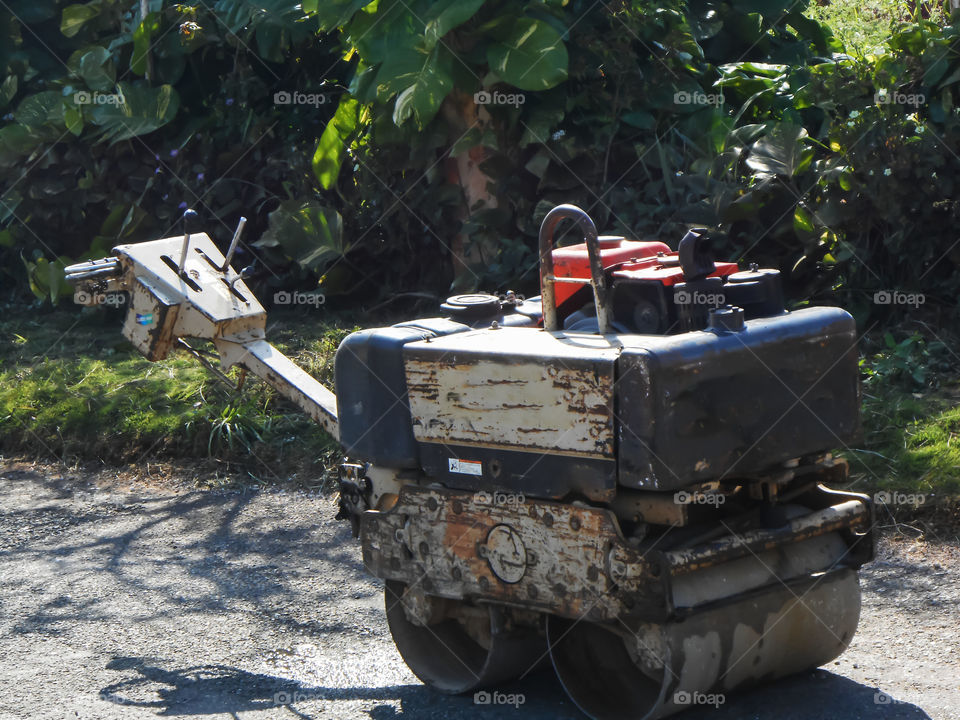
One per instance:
[(174, 152), (182, 206), (156, 171), (199, 177), (229, 102)]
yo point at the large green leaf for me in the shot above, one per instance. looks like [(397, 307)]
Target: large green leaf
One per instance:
[(333, 13), (39, 109), (272, 40), (17, 141), (274, 22), (73, 119), (528, 54), (135, 111), (93, 64), (307, 232), (431, 85), (399, 72), (142, 38), (781, 151), (446, 15), (47, 278), (8, 90), (333, 142), (76, 16)]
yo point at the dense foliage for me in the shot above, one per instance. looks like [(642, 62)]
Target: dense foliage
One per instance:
[(389, 146), (116, 122)]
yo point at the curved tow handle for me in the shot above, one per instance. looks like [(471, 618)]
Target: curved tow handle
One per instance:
[(548, 279)]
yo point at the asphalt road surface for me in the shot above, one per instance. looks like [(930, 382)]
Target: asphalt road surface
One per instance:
[(144, 602)]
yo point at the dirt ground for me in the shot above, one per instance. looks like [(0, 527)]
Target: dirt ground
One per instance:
[(126, 597)]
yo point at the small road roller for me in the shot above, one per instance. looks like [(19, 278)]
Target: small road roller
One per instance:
[(629, 477)]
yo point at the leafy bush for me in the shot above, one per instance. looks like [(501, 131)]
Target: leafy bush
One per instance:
[(622, 111), (912, 363), (441, 132), (116, 122)]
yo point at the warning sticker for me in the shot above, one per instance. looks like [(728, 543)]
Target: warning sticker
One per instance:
[(466, 467)]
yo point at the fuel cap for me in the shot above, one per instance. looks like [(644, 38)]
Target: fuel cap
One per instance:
[(472, 305), (753, 275), (726, 319)]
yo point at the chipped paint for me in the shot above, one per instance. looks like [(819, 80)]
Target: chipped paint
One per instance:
[(513, 388)]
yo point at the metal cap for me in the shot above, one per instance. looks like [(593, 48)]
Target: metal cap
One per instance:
[(726, 319), (753, 275), (471, 305)]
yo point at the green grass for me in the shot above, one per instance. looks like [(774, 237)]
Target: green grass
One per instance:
[(911, 413), (72, 388), (864, 25), (911, 442)]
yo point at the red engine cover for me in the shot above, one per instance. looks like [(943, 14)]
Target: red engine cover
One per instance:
[(573, 261), (666, 270)]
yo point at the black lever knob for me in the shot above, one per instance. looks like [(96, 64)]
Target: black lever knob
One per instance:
[(696, 259), (191, 222)]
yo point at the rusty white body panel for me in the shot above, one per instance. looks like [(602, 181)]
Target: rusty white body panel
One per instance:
[(556, 557), (514, 388), (572, 561)]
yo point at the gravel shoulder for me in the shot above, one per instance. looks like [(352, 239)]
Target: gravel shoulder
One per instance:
[(120, 598)]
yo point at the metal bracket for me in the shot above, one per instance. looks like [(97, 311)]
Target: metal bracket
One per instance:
[(547, 278)]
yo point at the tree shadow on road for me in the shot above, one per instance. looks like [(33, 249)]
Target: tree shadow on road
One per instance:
[(196, 551), (220, 689), (815, 695)]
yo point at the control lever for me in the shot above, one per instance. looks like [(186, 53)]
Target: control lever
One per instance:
[(191, 226)]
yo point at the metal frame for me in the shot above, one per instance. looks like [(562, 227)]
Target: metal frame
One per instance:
[(548, 279)]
